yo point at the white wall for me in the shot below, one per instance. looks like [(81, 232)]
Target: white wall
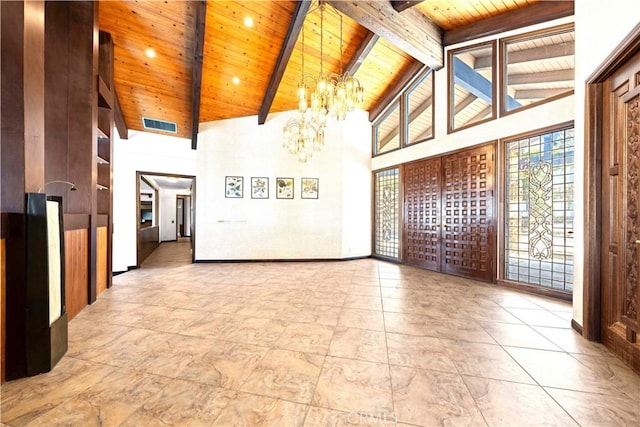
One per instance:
[(600, 27), (327, 227), (168, 210), (143, 152), (356, 188)]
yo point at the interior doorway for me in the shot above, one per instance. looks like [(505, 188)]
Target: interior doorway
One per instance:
[(166, 209), (183, 216)]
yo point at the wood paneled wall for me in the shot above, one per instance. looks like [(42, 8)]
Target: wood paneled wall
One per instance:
[(2, 308), (22, 36), (149, 240), (101, 259), (77, 270)]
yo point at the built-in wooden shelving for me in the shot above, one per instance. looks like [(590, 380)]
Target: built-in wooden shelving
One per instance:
[(104, 163)]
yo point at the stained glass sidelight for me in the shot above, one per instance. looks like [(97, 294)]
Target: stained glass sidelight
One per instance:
[(386, 213), (539, 210)]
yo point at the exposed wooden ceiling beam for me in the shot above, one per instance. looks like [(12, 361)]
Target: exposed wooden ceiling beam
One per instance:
[(295, 26), (541, 77), (539, 93), (410, 31), (518, 18), (464, 103), (394, 92), (481, 114), (198, 55), (118, 117), (361, 53), (542, 52), (424, 135), (400, 5), (475, 83), (393, 134), (417, 112), (527, 55)]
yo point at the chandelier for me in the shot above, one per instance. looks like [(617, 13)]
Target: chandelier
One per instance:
[(333, 95)]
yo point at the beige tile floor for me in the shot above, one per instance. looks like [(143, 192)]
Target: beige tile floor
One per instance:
[(321, 344)]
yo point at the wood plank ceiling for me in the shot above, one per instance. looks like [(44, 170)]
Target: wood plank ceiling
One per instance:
[(451, 14), (239, 57), (160, 87)]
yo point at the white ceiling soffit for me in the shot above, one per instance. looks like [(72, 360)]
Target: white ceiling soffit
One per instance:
[(170, 183)]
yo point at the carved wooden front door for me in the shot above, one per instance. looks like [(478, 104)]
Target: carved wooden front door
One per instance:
[(422, 214), (468, 237), (449, 221), (620, 316)]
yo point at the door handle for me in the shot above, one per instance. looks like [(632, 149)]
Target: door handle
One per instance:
[(637, 242)]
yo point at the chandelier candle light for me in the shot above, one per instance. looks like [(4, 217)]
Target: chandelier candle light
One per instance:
[(334, 95)]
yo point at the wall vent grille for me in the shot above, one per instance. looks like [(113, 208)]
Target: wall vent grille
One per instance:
[(159, 125)]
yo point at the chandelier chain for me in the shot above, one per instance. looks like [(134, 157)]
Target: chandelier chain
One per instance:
[(321, 35), (327, 95), (341, 44)]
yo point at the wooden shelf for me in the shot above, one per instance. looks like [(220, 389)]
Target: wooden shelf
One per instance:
[(102, 137), (102, 161)]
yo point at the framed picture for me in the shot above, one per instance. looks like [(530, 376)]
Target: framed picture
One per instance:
[(233, 187), (309, 188), (259, 188), (284, 188)]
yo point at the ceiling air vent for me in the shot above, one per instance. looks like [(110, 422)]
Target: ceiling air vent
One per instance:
[(159, 125)]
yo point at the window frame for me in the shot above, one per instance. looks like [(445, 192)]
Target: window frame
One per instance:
[(407, 93), (395, 105), (451, 86), (403, 126), (501, 212), (504, 65)]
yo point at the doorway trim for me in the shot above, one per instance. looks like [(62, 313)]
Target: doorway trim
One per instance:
[(593, 140), (139, 176)]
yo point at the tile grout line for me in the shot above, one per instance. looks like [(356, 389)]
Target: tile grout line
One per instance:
[(536, 381), (386, 343)]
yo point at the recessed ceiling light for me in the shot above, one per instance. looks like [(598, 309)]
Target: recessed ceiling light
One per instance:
[(248, 21), (150, 53), (236, 81)]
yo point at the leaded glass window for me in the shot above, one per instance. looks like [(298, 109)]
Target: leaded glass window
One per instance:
[(539, 210), (386, 211)]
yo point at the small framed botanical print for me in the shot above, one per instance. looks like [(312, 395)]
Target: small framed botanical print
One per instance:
[(259, 188), (309, 188), (284, 188), (233, 187)]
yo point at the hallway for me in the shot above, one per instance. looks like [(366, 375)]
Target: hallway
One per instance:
[(360, 342)]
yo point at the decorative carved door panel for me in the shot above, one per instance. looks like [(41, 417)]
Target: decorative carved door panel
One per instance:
[(448, 222), (422, 214), (468, 236), (620, 321)]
